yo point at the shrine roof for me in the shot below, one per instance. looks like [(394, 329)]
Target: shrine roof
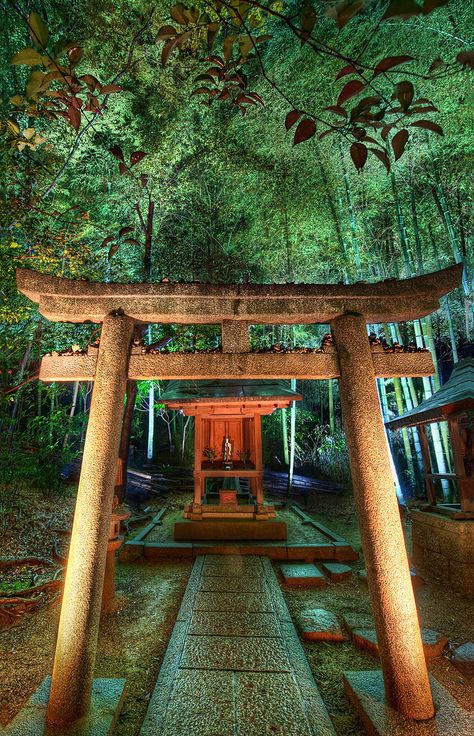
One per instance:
[(457, 394), (221, 390)]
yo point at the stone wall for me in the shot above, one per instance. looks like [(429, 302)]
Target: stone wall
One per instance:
[(443, 550)]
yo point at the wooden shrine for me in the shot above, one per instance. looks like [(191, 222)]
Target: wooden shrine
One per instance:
[(228, 449)]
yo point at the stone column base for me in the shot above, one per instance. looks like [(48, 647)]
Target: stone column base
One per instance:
[(366, 692), (106, 703)]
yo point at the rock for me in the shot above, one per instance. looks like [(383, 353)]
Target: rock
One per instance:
[(434, 643), (303, 575), (317, 624), (336, 571), (463, 659)]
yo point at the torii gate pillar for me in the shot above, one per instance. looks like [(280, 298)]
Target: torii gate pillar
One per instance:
[(405, 675), (76, 646)]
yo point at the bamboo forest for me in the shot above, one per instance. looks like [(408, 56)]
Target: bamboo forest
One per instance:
[(236, 368)]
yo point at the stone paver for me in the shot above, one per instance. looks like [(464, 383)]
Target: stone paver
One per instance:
[(234, 664), (463, 659), (317, 624), (434, 643), (337, 571), (303, 575)]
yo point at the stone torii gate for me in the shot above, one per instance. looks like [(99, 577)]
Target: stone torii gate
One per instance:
[(348, 309)]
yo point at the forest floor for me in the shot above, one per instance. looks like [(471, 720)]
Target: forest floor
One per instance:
[(134, 638)]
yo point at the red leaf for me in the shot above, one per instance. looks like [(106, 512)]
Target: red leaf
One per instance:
[(305, 130), (404, 92), (107, 240), (399, 142), (167, 49), (359, 155), (430, 5), (308, 20), (74, 116), (382, 156), (428, 125), (124, 230), (349, 69), (107, 89), (402, 9), (385, 131), (122, 168), (131, 241), (114, 248), (166, 32), (291, 118), (144, 180), (136, 156), (201, 91), (117, 152), (344, 11), (350, 90), (466, 59), (338, 110), (389, 62)]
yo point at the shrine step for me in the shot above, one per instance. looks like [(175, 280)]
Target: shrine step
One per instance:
[(234, 663), (230, 529)]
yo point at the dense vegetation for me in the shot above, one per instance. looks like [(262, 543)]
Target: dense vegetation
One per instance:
[(113, 169)]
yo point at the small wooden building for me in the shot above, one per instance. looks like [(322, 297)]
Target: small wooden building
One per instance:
[(443, 531), (228, 467)]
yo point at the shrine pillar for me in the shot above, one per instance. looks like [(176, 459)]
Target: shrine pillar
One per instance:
[(403, 663), (81, 606)]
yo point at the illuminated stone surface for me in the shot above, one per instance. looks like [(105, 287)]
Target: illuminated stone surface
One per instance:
[(303, 575), (318, 624), (367, 694), (383, 543), (335, 571), (229, 672), (106, 703), (463, 659), (434, 643)]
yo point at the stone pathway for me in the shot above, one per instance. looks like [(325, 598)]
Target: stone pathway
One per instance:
[(234, 664)]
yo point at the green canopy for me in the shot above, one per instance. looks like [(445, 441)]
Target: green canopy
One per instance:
[(457, 394)]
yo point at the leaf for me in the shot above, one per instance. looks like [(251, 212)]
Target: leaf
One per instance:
[(38, 30), (430, 5), (262, 39), (428, 125), (136, 156), (122, 169), (75, 55), (389, 62), (337, 110), (117, 152), (291, 118), (228, 46), (30, 57), (177, 13), (350, 90), (245, 46), (359, 155), (107, 89), (212, 30), (402, 9), (167, 49), (349, 69), (17, 100), (399, 142), (113, 249), (344, 11), (13, 125), (90, 81), (404, 92), (74, 115), (385, 131), (143, 180), (28, 133), (124, 230), (436, 64), (466, 59), (383, 157), (131, 241), (107, 240), (307, 20), (305, 130), (166, 32), (35, 82)]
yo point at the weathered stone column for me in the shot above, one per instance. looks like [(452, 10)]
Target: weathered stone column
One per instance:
[(80, 612), (401, 652)]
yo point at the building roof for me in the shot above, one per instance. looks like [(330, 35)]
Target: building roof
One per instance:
[(455, 395), (221, 390)]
